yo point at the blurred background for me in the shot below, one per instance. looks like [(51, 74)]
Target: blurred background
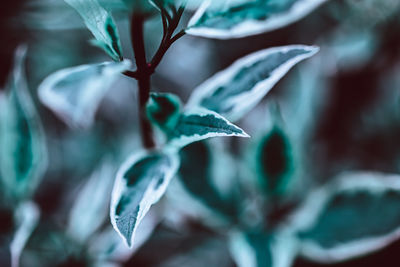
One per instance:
[(342, 109)]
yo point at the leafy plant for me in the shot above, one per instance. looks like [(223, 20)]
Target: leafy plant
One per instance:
[(249, 197)]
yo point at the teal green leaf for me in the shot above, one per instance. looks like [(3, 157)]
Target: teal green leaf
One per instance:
[(27, 217), (356, 214), (75, 93), (275, 161), (101, 24), (246, 18), (140, 183), (236, 90), (90, 208), (196, 174), (163, 109), (262, 249), (23, 154), (198, 124)]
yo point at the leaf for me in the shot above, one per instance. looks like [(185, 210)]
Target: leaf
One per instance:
[(163, 109), (260, 249), (237, 89), (23, 154), (101, 24), (275, 161), (358, 213), (91, 205), (140, 183), (196, 175), (75, 93), (27, 217), (198, 124), (248, 18)]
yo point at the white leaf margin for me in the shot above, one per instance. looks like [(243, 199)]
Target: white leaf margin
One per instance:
[(255, 95), (183, 140), (307, 215), (283, 249), (92, 98), (96, 21), (149, 197), (252, 27), (28, 214)]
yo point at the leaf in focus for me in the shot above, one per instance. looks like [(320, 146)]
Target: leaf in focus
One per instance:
[(198, 124), (247, 18), (23, 154), (163, 109), (100, 22), (236, 90), (275, 161), (357, 214), (74, 94), (140, 183)]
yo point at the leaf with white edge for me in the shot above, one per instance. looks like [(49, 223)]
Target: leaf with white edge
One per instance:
[(356, 214), (236, 90), (262, 249), (163, 109), (101, 24), (91, 205), (248, 18), (75, 93), (140, 183), (23, 154), (27, 217), (198, 124)]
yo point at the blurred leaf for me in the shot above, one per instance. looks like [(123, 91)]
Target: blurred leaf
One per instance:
[(101, 24), (140, 183), (27, 217), (260, 249), (163, 109), (195, 173), (23, 155), (236, 90), (358, 213), (275, 161), (91, 206), (248, 18), (198, 124), (75, 93)]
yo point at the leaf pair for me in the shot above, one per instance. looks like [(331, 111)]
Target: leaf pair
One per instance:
[(356, 214)]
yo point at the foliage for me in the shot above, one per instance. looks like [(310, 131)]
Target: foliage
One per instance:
[(163, 188)]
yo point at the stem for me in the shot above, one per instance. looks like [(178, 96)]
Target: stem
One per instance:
[(143, 77)]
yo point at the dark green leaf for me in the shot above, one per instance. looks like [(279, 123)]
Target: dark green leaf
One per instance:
[(196, 175), (275, 161), (163, 110)]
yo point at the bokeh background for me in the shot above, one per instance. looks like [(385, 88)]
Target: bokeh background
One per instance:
[(351, 88)]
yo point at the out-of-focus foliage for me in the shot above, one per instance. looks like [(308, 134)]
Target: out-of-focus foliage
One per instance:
[(317, 182)]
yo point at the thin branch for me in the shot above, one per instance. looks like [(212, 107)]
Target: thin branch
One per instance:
[(131, 74)]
